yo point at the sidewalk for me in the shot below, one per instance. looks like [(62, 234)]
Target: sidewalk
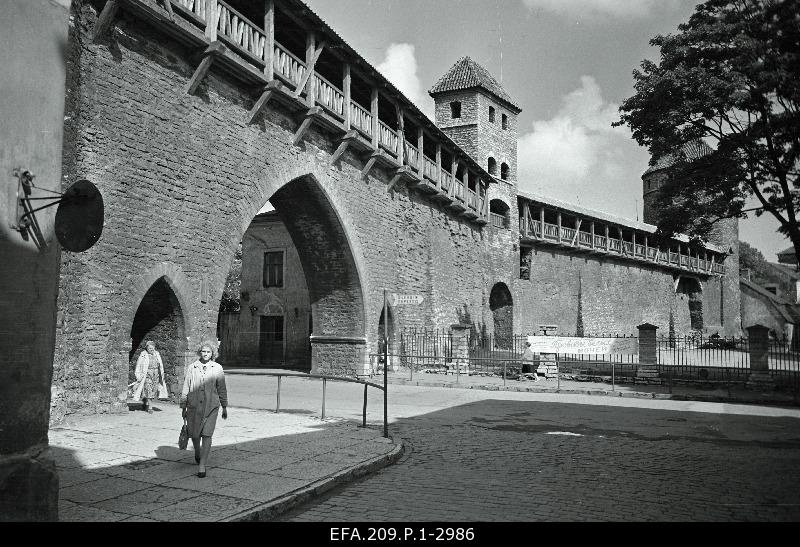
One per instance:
[(127, 467), (699, 391)]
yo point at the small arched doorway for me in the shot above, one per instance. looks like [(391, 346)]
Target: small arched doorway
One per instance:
[(159, 318), (690, 293), (502, 306)]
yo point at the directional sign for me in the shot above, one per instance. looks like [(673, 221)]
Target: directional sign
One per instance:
[(406, 299)]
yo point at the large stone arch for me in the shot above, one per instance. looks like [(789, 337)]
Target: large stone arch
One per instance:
[(330, 258)]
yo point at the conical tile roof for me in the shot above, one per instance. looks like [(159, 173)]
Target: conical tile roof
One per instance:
[(693, 150), (467, 74)]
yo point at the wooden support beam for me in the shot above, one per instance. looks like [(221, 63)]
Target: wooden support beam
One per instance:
[(591, 227), (306, 123), (106, 19), (348, 138), (308, 72), (269, 42), (216, 48), (399, 173), (607, 234), (577, 231), (370, 162), (621, 241), (262, 101)]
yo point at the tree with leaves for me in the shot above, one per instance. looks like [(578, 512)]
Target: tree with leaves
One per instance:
[(730, 78)]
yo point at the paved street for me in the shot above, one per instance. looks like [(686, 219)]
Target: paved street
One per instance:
[(497, 456)]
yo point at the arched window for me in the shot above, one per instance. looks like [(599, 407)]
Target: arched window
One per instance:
[(492, 167), (455, 109), (498, 213), (504, 171), (505, 121), (491, 114)]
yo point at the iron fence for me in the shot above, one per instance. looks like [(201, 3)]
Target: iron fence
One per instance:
[(679, 359)]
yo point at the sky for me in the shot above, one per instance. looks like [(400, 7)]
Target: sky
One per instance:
[(567, 63)]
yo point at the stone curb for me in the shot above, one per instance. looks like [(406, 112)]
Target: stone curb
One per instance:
[(601, 392), (272, 509)]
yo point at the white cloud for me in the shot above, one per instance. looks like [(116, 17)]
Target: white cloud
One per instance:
[(576, 156), (400, 67), (623, 9)]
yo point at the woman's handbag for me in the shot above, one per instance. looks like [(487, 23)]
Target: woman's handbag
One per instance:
[(183, 438), (163, 392)]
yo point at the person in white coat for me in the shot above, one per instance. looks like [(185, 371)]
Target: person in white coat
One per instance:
[(150, 376), (204, 392)]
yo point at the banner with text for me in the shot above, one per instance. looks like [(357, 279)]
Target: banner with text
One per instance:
[(583, 346)]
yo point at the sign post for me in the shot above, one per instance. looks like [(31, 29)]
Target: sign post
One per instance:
[(385, 364), (397, 300)]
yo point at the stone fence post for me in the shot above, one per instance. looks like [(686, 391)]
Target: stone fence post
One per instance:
[(758, 340), (648, 348), (460, 348)]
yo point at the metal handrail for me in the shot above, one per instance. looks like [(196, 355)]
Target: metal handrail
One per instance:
[(324, 378)]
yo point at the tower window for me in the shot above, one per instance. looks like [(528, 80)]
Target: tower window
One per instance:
[(505, 121), (455, 109), (504, 171), (492, 167), (491, 114)]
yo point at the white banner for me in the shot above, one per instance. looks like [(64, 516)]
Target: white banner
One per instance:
[(583, 346)]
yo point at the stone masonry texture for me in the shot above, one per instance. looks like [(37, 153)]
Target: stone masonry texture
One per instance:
[(182, 177)]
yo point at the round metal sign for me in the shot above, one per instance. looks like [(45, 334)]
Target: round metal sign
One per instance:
[(79, 218)]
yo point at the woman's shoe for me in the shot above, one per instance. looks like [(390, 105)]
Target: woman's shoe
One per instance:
[(149, 410), (201, 474)]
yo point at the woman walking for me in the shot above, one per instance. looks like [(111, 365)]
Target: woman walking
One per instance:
[(150, 376), (203, 393)]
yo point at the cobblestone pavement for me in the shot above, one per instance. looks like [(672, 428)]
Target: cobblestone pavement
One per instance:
[(534, 460)]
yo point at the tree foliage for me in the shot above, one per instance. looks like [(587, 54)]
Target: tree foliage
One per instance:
[(231, 294), (731, 78)]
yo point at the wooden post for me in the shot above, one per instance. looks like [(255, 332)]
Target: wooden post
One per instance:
[(646, 249), (523, 227), (559, 226), (453, 169), (311, 48), (374, 111), (212, 19), (541, 221), (346, 82), (607, 234), (269, 42), (420, 155), (439, 165), (401, 135), (591, 227)]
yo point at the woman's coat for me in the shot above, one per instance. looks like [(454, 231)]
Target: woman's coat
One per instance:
[(142, 364)]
